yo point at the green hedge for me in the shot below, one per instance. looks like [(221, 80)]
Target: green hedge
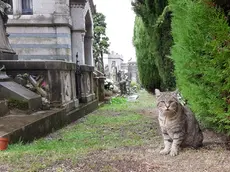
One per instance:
[(156, 22), (148, 72), (201, 53)]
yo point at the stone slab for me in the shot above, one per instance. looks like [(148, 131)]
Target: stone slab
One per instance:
[(88, 98), (27, 128), (13, 90), (86, 68), (37, 64), (132, 98)]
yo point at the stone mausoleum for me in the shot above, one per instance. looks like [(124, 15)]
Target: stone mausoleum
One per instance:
[(59, 31), (52, 29), (51, 62), (114, 63)]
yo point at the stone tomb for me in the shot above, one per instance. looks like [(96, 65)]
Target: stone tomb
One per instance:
[(58, 80)]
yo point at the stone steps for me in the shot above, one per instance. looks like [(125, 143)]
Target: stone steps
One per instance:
[(26, 128)]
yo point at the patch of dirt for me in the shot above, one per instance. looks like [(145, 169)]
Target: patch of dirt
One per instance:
[(146, 159), (151, 112), (4, 168), (212, 157)]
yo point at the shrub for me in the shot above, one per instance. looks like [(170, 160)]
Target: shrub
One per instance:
[(201, 55), (134, 84)]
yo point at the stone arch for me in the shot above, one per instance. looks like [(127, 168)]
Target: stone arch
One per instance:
[(88, 52)]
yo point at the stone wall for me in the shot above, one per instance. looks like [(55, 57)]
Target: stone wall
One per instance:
[(52, 32), (44, 35)]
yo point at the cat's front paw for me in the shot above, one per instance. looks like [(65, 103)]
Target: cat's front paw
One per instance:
[(174, 152), (165, 151)]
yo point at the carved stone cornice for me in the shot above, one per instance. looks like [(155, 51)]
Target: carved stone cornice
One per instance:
[(77, 6), (78, 3)]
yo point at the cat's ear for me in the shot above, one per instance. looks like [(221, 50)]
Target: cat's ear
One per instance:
[(176, 92), (157, 92)]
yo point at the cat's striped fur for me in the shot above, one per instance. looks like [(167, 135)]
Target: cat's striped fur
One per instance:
[(178, 124)]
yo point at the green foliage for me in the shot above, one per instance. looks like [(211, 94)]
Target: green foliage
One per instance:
[(148, 72), (201, 54), (155, 34), (101, 41), (134, 84), (118, 100)]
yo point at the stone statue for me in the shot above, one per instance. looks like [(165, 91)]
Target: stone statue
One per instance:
[(6, 52), (114, 73), (4, 10)]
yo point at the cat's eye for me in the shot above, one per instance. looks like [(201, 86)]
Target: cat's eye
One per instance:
[(161, 103), (173, 103), (170, 102)]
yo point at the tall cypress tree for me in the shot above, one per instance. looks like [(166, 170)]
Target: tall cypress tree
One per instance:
[(149, 75), (157, 20)]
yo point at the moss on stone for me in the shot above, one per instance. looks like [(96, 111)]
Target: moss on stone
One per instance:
[(19, 104)]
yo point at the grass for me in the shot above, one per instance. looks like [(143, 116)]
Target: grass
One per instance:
[(112, 126)]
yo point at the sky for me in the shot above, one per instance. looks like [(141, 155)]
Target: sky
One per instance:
[(120, 22)]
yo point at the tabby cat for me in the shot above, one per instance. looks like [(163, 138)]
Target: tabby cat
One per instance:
[(178, 124)]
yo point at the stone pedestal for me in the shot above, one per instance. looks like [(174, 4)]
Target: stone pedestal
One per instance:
[(8, 56), (87, 91)]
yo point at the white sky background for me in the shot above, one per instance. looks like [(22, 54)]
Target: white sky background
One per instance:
[(120, 22)]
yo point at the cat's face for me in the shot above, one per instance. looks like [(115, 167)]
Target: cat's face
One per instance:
[(167, 102)]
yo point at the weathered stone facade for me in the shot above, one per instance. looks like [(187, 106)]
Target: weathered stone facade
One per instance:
[(114, 63), (55, 71), (55, 30), (53, 39)]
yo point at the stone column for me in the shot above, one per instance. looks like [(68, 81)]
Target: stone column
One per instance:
[(78, 32), (88, 50), (77, 45), (17, 8)]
